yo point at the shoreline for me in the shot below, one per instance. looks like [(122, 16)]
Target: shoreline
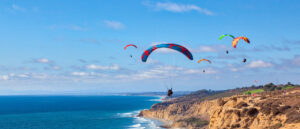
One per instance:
[(153, 123), (229, 110), (164, 124)]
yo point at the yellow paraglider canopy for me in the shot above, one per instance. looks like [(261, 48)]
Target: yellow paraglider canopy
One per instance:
[(204, 60)]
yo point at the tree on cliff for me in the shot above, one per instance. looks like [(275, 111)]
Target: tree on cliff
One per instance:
[(269, 87)]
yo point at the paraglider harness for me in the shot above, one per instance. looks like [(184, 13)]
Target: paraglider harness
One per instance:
[(170, 92)]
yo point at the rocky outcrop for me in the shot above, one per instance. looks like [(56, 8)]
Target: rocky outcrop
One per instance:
[(186, 111), (268, 111), (182, 115)]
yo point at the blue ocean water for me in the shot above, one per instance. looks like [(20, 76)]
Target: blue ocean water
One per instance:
[(75, 112)]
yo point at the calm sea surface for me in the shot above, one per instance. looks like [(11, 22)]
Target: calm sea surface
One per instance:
[(75, 112)]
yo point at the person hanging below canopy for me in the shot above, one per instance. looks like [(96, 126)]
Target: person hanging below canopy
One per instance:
[(224, 35), (170, 92), (130, 45), (204, 60), (244, 60)]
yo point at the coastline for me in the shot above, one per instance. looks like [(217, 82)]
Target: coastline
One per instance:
[(140, 122), (229, 110), (143, 122), (161, 123)]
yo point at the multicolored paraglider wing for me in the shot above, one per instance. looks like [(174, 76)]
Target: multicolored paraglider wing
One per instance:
[(226, 35), (204, 60), (176, 47), (129, 45), (236, 40)]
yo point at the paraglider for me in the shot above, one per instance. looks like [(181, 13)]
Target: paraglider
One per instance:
[(176, 47), (129, 46), (170, 92), (204, 60), (236, 40), (229, 36), (226, 35)]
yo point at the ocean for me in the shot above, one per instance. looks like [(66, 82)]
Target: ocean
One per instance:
[(75, 112)]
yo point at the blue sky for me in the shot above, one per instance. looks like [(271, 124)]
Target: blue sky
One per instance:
[(67, 46)]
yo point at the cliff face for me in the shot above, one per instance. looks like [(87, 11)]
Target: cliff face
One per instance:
[(262, 112), (269, 111), (183, 115), (191, 111)]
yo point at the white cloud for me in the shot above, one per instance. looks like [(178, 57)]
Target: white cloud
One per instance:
[(67, 27), (99, 67), (56, 68), (206, 49), (99, 74), (210, 48), (259, 64), (296, 60), (158, 72), (39, 75), (165, 72), (114, 25), (175, 7), (18, 8), (4, 77), (233, 68), (200, 71), (51, 65), (14, 76), (76, 27), (165, 50), (162, 50), (22, 75), (35, 9), (152, 61), (194, 71), (42, 60), (79, 74), (89, 40)]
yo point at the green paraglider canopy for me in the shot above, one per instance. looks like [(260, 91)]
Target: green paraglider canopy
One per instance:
[(226, 35)]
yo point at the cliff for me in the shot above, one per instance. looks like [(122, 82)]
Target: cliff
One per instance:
[(272, 110)]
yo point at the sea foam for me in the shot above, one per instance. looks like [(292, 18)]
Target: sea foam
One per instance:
[(140, 122)]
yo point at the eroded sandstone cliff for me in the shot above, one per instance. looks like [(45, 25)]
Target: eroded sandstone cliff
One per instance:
[(272, 110)]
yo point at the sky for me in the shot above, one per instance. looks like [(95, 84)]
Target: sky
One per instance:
[(73, 46)]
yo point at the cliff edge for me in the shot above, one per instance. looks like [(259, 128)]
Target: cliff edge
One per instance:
[(227, 110)]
